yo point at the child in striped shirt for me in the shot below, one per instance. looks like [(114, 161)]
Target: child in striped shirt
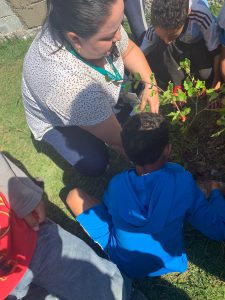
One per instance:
[(182, 29)]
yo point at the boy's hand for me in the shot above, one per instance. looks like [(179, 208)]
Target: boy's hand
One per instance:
[(216, 84), (36, 217), (218, 185), (208, 185)]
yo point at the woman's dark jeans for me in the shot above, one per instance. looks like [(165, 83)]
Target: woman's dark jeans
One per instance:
[(79, 148)]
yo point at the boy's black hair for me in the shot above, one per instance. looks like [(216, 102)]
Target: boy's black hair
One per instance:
[(169, 14), (144, 137)]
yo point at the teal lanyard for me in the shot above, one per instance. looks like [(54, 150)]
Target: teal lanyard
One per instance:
[(108, 75)]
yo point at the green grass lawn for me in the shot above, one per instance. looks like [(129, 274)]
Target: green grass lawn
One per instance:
[(206, 274)]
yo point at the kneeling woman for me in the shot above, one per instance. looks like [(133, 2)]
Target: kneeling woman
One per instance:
[(72, 79)]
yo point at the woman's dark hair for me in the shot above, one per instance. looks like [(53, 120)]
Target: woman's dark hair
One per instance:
[(169, 14), (84, 17), (144, 137)]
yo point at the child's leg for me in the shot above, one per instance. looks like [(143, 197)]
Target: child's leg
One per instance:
[(92, 215), (68, 268), (79, 201)]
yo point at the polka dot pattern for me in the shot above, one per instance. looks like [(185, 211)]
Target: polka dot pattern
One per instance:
[(60, 90)]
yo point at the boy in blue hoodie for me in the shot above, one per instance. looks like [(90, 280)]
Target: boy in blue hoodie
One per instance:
[(140, 222)]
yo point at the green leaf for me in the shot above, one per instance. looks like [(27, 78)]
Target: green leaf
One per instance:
[(147, 108), (127, 86), (188, 84), (136, 84), (221, 110), (182, 96), (174, 99), (186, 66), (137, 77), (152, 77), (137, 109), (213, 96), (175, 117), (170, 87), (200, 84), (171, 114), (186, 111), (164, 100), (222, 88), (152, 93), (210, 91), (130, 77), (191, 92), (220, 122)]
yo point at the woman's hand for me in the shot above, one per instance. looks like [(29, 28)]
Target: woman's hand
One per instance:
[(36, 217), (135, 62), (150, 95)]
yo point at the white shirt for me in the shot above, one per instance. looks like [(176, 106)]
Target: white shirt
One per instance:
[(59, 89)]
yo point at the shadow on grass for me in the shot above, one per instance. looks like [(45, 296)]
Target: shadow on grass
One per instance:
[(157, 288), (55, 213), (206, 254), (71, 178)]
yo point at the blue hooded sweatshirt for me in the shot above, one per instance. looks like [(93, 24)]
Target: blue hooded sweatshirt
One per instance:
[(148, 213)]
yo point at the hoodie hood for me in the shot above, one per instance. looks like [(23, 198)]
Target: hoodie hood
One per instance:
[(144, 200)]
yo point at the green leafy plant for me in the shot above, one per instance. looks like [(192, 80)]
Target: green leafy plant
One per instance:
[(188, 101), (193, 98)]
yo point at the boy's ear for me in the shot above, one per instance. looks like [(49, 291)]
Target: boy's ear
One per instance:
[(167, 150)]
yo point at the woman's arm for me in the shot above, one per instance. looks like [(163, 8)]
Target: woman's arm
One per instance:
[(135, 62), (109, 132)]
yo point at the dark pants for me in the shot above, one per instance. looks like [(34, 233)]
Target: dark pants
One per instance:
[(134, 11), (79, 148), (88, 154), (164, 61)]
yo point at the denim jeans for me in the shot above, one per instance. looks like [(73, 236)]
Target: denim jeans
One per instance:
[(64, 267)]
